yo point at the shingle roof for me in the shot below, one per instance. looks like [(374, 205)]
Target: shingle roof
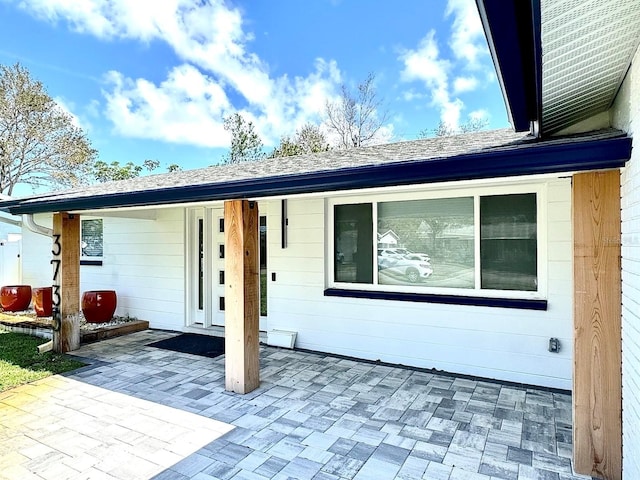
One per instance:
[(401, 160), (331, 160)]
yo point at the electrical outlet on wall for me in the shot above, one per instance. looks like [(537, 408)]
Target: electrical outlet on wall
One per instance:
[(554, 345)]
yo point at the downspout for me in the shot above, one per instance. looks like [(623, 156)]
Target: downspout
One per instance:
[(10, 221), (30, 223)]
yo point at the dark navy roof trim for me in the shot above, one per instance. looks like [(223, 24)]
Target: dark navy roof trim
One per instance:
[(530, 159), (512, 28)]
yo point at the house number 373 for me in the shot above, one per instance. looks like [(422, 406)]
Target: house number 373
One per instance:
[(55, 294)]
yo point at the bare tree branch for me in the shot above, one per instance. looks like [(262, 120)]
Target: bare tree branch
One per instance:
[(444, 130), (357, 116)]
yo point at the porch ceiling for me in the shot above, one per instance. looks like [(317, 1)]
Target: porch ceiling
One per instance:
[(587, 47)]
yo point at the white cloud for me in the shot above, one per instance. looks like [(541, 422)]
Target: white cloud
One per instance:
[(93, 109), (464, 84), (68, 108), (480, 114), (185, 108), (411, 95), (210, 40), (425, 64), (467, 36), (443, 78)]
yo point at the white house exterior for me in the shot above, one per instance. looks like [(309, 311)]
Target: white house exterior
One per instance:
[(152, 264), (625, 115), (582, 72), (162, 244)]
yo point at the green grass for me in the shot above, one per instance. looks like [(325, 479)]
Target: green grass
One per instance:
[(21, 363)]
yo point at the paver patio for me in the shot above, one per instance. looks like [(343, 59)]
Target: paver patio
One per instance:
[(138, 412)]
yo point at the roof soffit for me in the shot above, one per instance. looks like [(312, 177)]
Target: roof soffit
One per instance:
[(587, 47)]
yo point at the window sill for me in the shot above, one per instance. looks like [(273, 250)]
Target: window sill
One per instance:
[(518, 303), (95, 263)]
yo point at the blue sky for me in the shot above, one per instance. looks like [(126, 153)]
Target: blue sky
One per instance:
[(151, 79)]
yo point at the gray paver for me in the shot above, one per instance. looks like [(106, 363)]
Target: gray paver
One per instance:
[(141, 412)]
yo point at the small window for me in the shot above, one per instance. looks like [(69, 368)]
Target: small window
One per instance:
[(91, 239), (508, 242), (353, 256), (263, 266)]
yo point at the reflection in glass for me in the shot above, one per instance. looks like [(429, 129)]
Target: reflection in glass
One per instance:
[(263, 266), (426, 242), (92, 238), (508, 242), (353, 234)]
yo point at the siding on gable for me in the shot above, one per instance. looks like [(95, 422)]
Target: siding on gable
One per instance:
[(491, 342), (626, 116), (143, 261)]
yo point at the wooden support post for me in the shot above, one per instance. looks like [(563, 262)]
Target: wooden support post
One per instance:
[(597, 377), (242, 296), (66, 280)]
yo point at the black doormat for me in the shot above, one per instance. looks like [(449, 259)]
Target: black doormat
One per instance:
[(203, 345)]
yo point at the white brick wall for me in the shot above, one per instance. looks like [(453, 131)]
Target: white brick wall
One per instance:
[(626, 116)]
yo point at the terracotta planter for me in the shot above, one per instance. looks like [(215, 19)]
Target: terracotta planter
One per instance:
[(42, 301), (98, 306), (15, 298)]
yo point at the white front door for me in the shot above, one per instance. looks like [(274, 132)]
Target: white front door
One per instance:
[(217, 267), (206, 268), (196, 277)]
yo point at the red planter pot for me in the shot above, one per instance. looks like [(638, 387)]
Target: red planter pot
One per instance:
[(98, 306), (15, 298), (42, 301)]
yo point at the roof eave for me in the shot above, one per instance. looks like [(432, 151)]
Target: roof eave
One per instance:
[(512, 28), (530, 159)]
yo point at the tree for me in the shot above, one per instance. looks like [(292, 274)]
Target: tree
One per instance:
[(246, 145), (308, 139), (445, 130), (39, 143), (356, 117), (106, 172)]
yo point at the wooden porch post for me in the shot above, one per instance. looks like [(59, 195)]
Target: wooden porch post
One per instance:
[(242, 296), (597, 376), (66, 280)]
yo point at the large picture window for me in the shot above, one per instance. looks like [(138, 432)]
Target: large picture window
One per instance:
[(426, 242), (467, 243)]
